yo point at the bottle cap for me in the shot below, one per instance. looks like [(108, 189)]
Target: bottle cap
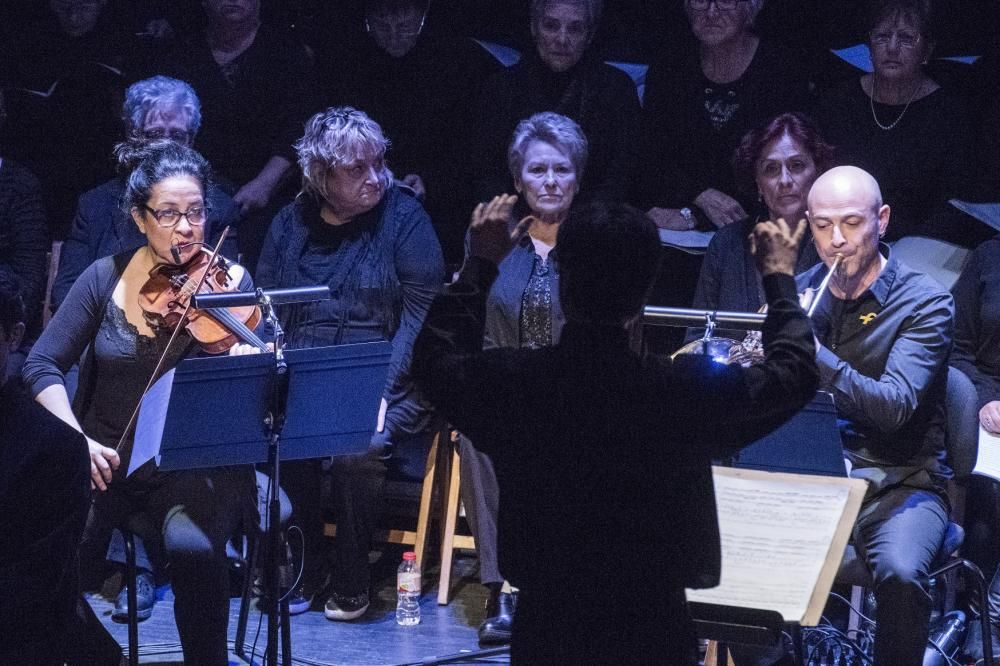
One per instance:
[(409, 555)]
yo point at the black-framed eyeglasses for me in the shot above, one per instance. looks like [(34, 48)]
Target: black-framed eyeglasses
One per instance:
[(170, 217), (905, 38), (721, 5)]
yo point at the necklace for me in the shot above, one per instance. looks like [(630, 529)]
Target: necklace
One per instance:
[(871, 103)]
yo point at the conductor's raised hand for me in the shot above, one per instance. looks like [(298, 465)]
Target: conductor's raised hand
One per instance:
[(492, 232), (775, 246)]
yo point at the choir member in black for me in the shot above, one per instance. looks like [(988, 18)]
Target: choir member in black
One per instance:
[(194, 512), (256, 88), (561, 74), (69, 65), (899, 124), (602, 539), (419, 82), (700, 99), (351, 228), (154, 109)]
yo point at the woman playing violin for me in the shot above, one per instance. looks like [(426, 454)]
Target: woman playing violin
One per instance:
[(194, 512)]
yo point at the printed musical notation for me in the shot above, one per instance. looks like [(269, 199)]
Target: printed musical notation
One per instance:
[(783, 536)]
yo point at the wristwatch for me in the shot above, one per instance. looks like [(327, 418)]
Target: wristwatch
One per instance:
[(688, 216)]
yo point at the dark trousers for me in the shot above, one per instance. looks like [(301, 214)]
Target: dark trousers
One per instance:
[(481, 496), (899, 532), (194, 514), (356, 497)]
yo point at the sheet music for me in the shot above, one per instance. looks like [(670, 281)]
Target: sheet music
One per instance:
[(988, 458), (149, 428), (776, 536)]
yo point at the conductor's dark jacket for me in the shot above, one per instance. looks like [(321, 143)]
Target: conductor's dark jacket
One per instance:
[(604, 458)]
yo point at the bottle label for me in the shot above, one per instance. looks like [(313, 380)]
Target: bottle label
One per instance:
[(408, 582)]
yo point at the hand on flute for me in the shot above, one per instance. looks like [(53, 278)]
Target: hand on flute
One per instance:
[(775, 246)]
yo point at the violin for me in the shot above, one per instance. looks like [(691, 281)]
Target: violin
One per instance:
[(165, 297), (165, 300)]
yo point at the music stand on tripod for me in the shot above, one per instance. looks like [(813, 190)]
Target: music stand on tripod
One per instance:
[(246, 410)]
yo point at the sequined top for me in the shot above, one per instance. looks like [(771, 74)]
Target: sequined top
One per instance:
[(536, 306)]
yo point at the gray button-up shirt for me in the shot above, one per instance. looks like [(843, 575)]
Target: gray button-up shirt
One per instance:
[(883, 357)]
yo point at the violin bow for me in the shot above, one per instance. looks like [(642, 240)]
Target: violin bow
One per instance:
[(173, 336)]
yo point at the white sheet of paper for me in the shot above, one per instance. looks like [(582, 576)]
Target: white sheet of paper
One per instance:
[(775, 539), (686, 240), (149, 428), (988, 458)]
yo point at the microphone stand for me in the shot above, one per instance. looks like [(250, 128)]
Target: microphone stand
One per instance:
[(276, 552)]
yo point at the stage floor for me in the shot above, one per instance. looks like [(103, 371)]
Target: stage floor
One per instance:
[(373, 639)]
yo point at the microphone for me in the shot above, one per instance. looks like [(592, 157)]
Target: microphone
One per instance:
[(239, 299)]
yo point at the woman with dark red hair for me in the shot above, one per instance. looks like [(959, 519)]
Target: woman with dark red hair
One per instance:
[(780, 161)]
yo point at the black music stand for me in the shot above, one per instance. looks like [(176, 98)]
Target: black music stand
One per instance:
[(243, 410)]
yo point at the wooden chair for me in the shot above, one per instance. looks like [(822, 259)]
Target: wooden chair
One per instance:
[(441, 481), (451, 485)]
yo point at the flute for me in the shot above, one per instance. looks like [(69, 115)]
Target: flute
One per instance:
[(824, 284)]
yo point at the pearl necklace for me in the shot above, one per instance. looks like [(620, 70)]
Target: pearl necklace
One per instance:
[(871, 103)]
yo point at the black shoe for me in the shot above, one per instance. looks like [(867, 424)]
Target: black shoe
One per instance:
[(495, 629), (145, 599)]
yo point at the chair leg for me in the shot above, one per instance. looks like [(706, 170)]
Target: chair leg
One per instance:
[(426, 498), (450, 518), (979, 590), (244, 616), (133, 603)]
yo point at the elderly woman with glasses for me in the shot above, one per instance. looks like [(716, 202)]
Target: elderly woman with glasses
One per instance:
[(353, 229), (192, 513), (700, 102), (156, 108), (899, 124), (562, 74)]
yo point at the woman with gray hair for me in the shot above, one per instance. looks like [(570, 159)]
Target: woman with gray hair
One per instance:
[(546, 157), (370, 241), (155, 108), (161, 107), (699, 103), (564, 75)]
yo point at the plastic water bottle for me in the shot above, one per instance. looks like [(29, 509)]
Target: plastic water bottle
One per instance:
[(408, 591)]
